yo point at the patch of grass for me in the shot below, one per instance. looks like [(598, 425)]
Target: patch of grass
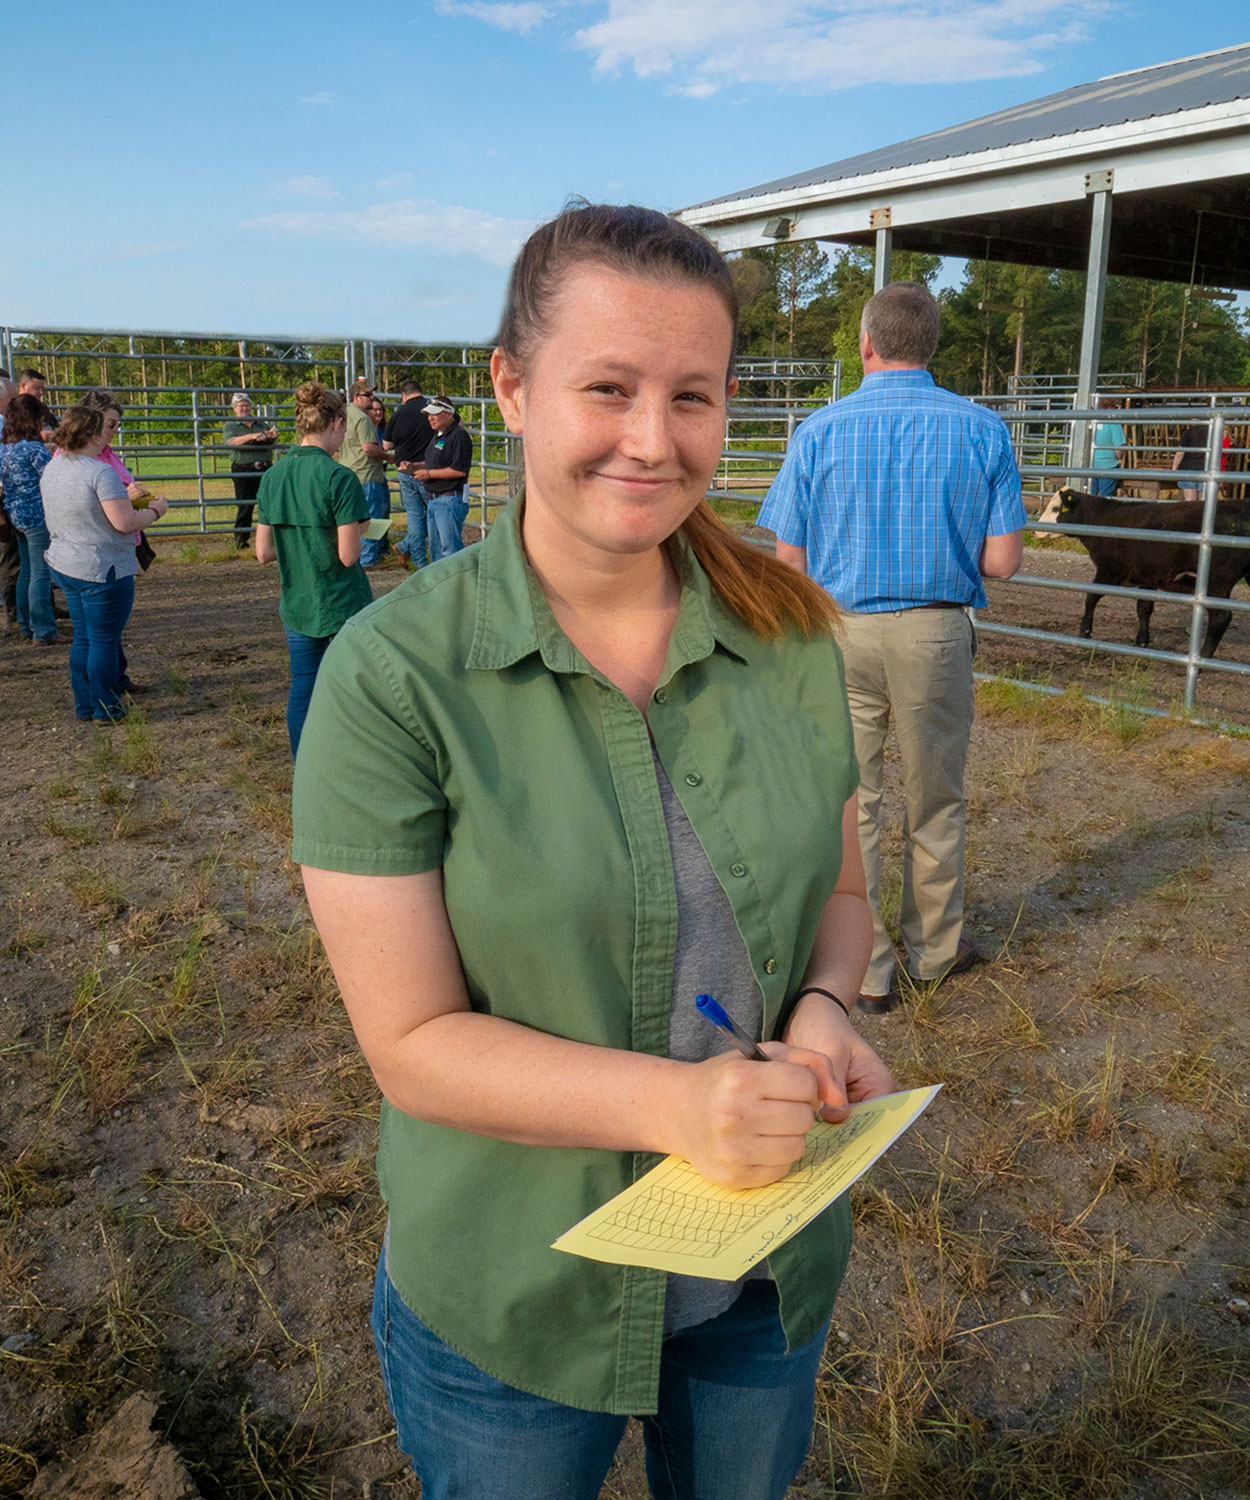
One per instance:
[(176, 683), (76, 835), (140, 755), (25, 938), (97, 893)]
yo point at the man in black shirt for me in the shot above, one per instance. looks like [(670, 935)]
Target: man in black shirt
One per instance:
[(445, 474), (408, 435)]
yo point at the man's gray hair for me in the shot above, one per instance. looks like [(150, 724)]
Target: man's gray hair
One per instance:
[(902, 321)]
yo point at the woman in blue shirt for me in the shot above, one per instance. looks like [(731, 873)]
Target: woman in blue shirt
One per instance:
[(23, 458)]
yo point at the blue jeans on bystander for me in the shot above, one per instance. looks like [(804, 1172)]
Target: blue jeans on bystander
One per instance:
[(416, 500), (378, 501), (734, 1423), (34, 584), (97, 663), (1107, 482), (447, 515), (305, 652)]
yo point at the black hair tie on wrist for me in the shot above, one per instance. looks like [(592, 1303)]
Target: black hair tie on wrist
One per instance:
[(815, 989)]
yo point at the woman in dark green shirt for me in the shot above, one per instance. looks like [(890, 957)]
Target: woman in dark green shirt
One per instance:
[(312, 517), (571, 775)]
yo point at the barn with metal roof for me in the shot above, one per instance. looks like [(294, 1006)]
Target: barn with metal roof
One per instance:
[(1140, 174)]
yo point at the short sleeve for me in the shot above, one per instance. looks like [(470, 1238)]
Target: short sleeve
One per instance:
[(347, 498), (461, 456), (108, 484), (367, 798), (788, 502), (1007, 511)]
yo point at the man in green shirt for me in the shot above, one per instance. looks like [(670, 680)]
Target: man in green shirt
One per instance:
[(362, 454), (250, 440)]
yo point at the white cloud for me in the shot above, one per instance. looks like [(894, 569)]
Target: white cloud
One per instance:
[(307, 187), (395, 180), (322, 98), (522, 16), (702, 46), (155, 247), (408, 224)]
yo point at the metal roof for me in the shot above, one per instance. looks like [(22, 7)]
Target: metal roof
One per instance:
[(1171, 142), (1145, 94)]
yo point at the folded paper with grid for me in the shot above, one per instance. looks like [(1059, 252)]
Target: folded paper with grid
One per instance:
[(675, 1220)]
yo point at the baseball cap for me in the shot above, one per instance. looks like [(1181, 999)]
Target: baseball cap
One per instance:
[(438, 403)]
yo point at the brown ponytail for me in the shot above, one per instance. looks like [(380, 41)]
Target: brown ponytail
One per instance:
[(768, 596)]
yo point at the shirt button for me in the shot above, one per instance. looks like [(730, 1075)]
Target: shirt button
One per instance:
[(738, 870), (660, 695), (770, 966), (694, 779)]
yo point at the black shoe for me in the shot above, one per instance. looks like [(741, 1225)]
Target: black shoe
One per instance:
[(966, 957), (879, 1005)]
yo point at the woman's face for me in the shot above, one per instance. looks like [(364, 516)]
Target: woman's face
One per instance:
[(108, 431), (376, 412), (623, 409)]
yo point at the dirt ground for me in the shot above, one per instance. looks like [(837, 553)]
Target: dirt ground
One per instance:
[(1051, 1282)]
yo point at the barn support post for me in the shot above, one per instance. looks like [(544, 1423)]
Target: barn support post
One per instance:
[(1098, 187), (881, 260), (1210, 494)]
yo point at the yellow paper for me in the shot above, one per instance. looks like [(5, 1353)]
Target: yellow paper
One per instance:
[(675, 1220), (377, 529)]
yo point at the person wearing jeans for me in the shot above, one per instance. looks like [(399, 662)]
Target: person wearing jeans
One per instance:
[(445, 475), (23, 458), (470, 787), (91, 554), (35, 617), (408, 435), (311, 517), (361, 451), (99, 610)]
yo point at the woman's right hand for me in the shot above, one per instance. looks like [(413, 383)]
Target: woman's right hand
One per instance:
[(159, 504), (743, 1124), (135, 490)]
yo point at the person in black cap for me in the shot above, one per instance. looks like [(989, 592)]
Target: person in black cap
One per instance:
[(408, 435), (445, 474)]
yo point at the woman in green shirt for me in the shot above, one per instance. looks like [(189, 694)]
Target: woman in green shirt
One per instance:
[(312, 517), (575, 774)]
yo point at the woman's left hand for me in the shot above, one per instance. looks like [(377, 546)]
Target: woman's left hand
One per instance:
[(818, 1025)]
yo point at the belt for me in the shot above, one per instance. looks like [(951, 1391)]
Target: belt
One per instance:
[(940, 604)]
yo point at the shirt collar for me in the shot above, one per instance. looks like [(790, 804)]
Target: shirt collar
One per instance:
[(514, 619), (898, 377)]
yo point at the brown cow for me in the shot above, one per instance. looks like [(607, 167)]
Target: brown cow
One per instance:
[(1147, 564)]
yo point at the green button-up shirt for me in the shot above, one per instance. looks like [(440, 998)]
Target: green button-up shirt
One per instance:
[(455, 725)]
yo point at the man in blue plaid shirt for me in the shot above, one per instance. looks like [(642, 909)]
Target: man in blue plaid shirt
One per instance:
[(897, 499)]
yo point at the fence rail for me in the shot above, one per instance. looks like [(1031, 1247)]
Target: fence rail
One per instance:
[(171, 437)]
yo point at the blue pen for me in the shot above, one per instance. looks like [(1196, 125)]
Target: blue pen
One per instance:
[(708, 1007)]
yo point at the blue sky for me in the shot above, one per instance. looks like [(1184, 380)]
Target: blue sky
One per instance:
[(313, 168)]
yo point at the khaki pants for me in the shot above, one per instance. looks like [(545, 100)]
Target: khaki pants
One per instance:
[(914, 666)]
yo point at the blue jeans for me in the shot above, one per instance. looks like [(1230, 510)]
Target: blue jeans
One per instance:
[(1107, 483), (378, 501), (734, 1423), (34, 584), (97, 663), (305, 652), (447, 513), (416, 499)]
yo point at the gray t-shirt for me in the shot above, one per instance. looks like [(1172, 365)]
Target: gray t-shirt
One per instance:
[(711, 959), (84, 544)]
